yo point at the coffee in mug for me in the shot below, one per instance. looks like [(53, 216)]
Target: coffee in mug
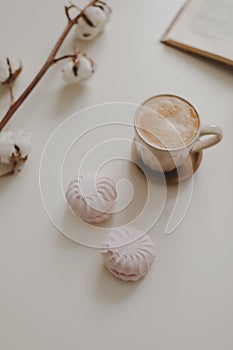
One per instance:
[(168, 129)]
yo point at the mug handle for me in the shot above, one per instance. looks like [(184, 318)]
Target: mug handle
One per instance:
[(216, 137)]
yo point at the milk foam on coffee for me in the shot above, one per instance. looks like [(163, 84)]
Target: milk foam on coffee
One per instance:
[(167, 122)]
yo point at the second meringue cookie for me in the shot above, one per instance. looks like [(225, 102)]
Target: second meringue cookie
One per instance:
[(128, 253), (92, 197)]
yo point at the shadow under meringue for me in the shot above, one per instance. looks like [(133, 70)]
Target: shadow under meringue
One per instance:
[(110, 289)]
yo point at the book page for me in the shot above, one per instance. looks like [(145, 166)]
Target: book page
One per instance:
[(206, 25)]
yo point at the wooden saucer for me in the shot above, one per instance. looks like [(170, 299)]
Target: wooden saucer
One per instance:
[(186, 170), (182, 173)]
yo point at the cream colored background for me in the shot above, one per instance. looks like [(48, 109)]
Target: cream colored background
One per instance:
[(55, 294)]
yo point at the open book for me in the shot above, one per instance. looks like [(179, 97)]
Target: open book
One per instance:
[(204, 27)]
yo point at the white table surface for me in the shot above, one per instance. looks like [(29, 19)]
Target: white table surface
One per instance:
[(55, 294)]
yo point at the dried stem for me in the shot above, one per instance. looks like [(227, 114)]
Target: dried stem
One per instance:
[(71, 6), (55, 60), (10, 88), (9, 173), (48, 63)]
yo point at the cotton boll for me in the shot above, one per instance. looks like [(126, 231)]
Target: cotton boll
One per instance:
[(4, 70), (68, 73), (14, 146), (85, 32), (24, 142), (7, 147), (16, 64), (10, 68), (92, 22), (75, 70), (85, 68), (104, 7), (96, 16)]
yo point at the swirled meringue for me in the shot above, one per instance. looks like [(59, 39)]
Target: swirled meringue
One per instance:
[(91, 197), (128, 253)]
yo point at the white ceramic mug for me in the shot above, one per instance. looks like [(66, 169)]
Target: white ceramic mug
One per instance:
[(167, 159)]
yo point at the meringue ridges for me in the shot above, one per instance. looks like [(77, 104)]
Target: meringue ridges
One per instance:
[(128, 253), (92, 197)]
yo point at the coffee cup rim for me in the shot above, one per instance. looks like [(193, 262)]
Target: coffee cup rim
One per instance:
[(155, 146)]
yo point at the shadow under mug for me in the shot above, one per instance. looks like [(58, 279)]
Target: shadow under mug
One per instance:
[(167, 159)]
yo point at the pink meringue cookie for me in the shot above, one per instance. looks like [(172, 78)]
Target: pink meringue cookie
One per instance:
[(91, 197), (131, 261)]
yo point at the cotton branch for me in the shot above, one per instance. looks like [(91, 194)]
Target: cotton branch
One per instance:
[(48, 63)]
